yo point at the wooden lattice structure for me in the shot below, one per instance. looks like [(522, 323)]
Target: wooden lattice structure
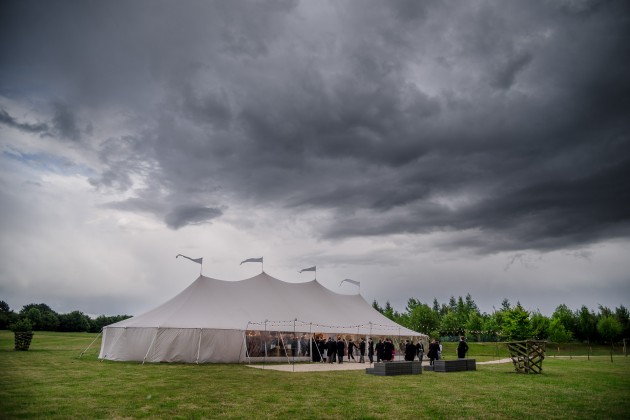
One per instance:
[(527, 356)]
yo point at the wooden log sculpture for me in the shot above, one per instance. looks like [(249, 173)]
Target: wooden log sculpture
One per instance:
[(527, 356)]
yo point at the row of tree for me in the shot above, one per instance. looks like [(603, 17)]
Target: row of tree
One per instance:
[(461, 316), (42, 318)]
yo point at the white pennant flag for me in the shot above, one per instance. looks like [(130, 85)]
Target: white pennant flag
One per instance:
[(252, 260), (356, 283), (313, 268), (197, 260)]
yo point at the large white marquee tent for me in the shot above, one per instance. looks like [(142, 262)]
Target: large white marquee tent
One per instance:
[(211, 320)]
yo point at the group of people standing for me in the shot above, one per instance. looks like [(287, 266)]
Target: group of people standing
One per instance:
[(435, 350), (414, 350), (334, 350), (385, 350)]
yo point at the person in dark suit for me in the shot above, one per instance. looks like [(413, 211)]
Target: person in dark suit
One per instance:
[(388, 350), (331, 348), (341, 349), (410, 351), (380, 347), (371, 350), (462, 348), (362, 350), (321, 346), (434, 347), (351, 347), (315, 356)]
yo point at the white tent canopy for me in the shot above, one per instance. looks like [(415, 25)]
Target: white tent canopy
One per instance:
[(207, 321)]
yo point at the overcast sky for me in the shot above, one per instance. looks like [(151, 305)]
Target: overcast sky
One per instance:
[(426, 149)]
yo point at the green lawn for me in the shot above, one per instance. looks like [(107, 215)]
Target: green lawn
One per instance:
[(50, 381)]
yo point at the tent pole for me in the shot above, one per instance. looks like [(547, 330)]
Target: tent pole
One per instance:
[(243, 342), (292, 349), (83, 352), (157, 330), (399, 342), (310, 344), (372, 341), (284, 346), (265, 340), (321, 357), (199, 345), (358, 340)]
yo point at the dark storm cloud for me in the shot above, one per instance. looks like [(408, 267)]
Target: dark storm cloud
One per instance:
[(34, 128), (505, 75), (190, 215), (503, 121), (64, 122), (544, 216)]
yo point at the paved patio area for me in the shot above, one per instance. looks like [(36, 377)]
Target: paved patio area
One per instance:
[(325, 367)]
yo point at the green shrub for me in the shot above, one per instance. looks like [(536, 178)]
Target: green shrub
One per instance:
[(22, 325)]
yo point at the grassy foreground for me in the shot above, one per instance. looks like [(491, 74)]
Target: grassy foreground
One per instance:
[(50, 381)]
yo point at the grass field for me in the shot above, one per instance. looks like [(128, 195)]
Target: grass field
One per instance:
[(50, 381)]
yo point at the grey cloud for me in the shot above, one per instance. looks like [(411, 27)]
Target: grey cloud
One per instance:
[(191, 215), (137, 205), (123, 158), (545, 216), (212, 108), (112, 178), (64, 122), (410, 10), (579, 6), (34, 128), (505, 75), (352, 110)]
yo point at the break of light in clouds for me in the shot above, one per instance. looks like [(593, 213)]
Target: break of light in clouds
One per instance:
[(427, 149)]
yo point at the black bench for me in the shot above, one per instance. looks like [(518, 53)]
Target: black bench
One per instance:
[(456, 365), (395, 368)]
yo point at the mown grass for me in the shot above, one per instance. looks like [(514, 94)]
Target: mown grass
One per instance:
[(493, 351), (50, 381)]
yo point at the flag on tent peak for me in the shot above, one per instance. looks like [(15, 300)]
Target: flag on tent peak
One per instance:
[(356, 283), (197, 260)]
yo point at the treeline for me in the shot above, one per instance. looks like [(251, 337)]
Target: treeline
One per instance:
[(461, 316), (42, 318)]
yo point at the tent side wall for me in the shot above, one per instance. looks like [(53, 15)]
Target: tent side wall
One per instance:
[(184, 345), (124, 344)]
